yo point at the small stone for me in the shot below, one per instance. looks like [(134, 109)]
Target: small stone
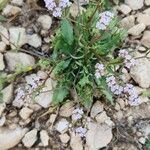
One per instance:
[(142, 49), (64, 138), (9, 138), (127, 22), (147, 11), (142, 140), (121, 103), (98, 136), (44, 138), (45, 21), (34, 40), (143, 99), (146, 39), (8, 94), (125, 9), (17, 36), (96, 109), (42, 75), (13, 59), (11, 10), (74, 10), (147, 2), (2, 120), (2, 65), (135, 4), (143, 18), (67, 109), (140, 73), (44, 99), (25, 113), (76, 142), (2, 46), (2, 108), (137, 29), (30, 138), (17, 2), (62, 125), (4, 35)]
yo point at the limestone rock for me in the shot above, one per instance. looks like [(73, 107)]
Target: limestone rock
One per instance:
[(44, 138), (25, 113), (4, 35), (17, 2), (144, 18), (146, 39), (64, 138), (135, 4), (2, 46), (125, 9), (2, 65), (147, 2)]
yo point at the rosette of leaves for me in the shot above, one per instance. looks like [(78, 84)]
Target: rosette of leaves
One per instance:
[(77, 47)]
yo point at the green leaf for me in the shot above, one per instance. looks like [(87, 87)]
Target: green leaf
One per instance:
[(1, 97), (59, 94), (67, 31), (2, 19)]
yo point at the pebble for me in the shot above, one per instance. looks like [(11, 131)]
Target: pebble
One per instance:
[(11, 10), (2, 120), (2, 65), (137, 29), (2, 46), (30, 138), (64, 138), (146, 39), (44, 138), (34, 40), (142, 49), (2, 108), (140, 73), (13, 59), (4, 35), (143, 18), (147, 2), (135, 4), (45, 21), (142, 140), (62, 125), (17, 2), (17, 36), (25, 113), (125, 9), (11, 137)]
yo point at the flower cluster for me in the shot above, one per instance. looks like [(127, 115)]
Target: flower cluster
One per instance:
[(105, 19), (81, 131), (99, 70), (128, 60), (114, 87), (132, 93), (77, 114), (56, 7)]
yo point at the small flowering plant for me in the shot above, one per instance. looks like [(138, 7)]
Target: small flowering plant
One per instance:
[(85, 56)]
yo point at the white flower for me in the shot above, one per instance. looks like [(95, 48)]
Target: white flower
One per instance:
[(81, 131), (57, 12), (77, 114)]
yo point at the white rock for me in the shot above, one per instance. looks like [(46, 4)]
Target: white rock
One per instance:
[(74, 10), (137, 29), (135, 4), (17, 36), (25, 113), (127, 22), (8, 93), (34, 40), (30, 138), (44, 138), (147, 2), (98, 136), (62, 125), (11, 10), (44, 99), (2, 65), (125, 9), (140, 73), (64, 138), (17, 2), (67, 109), (142, 140), (42, 75), (45, 21), (144, 18), (146, 39), (2, 46), (2, 120), (2, 108), (10, 138), (143, 99), (147, 11), (4, 35), (13, 59), (96, 109), (76, 142)]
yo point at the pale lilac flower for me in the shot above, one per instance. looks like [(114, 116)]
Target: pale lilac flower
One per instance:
[(128, 88), (57, 12), (105, 19), (20, 94), (99, 70), (77, 114), (81, 131)]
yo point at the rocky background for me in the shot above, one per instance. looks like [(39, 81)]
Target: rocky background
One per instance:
[(32, 124)]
